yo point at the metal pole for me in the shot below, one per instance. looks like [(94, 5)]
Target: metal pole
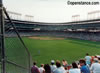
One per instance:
[(2, 37)]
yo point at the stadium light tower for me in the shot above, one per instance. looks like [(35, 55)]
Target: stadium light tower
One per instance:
[(2, 49), (76, 18), (29, 17), (89, 16), (93, 15), (98, 14), (14, 15)]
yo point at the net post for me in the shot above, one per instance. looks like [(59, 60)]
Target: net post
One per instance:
[(2, 37)]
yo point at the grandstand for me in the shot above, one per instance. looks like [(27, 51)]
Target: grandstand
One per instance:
[(89, 28)]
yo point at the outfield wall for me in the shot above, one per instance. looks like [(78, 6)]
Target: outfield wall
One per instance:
[(94, 36)]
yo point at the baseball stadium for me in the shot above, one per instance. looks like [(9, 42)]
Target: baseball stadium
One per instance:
[(25, 41)]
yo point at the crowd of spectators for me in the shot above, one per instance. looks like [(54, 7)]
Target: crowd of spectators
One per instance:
[(90, 64)]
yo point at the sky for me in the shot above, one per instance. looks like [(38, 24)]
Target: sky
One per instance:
[(50, 10)]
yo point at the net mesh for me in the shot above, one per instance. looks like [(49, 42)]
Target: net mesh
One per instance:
[(16, 54)]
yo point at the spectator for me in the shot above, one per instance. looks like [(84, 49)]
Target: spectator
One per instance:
[(69, 67), (99, 60), (41, 69), (79, 65), (52, 66), (92, 58), (74, 68), (84, 68), (88, 59), (95, 67), (59, 68), (47, 68), (64, 62), (95, 57), (66, 69), (34, 69)]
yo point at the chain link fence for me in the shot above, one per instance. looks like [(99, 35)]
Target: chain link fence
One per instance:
[(17, 56)]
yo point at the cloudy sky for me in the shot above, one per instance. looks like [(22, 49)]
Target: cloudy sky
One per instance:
[(50, 10)]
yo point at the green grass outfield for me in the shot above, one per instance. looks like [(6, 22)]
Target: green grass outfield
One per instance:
[(43, 51)]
